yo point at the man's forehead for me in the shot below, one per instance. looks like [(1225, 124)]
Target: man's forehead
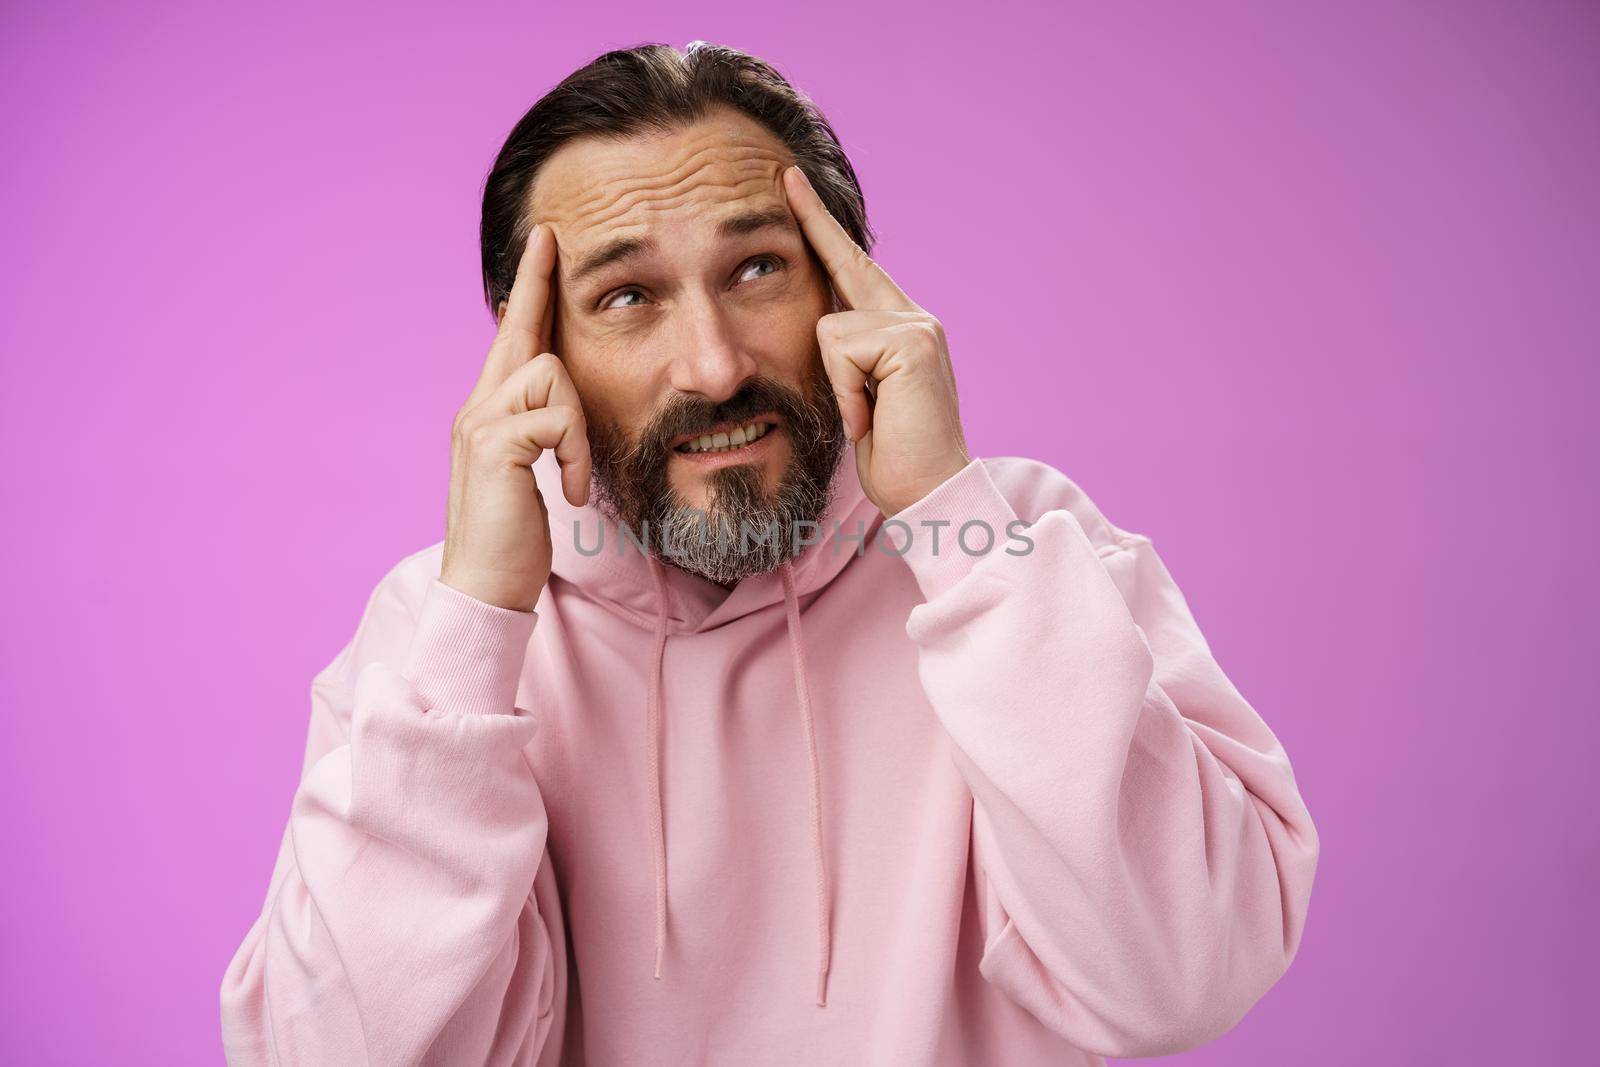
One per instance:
[(592, 190)]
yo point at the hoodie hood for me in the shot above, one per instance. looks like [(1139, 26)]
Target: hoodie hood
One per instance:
[(668, 602)]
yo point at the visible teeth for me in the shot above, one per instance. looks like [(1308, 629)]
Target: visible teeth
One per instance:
[(721, 442)]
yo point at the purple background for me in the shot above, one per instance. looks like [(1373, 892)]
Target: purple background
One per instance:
[(1308, 296)]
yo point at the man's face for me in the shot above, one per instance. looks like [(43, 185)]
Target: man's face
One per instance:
[(686, 305)]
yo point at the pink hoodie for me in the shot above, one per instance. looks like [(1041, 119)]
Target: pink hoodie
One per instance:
[(929, 808)]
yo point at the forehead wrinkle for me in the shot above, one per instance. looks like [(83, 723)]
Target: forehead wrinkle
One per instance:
[(674, 190), (631, 221), (622, 249), (721, 151), (707, 138)]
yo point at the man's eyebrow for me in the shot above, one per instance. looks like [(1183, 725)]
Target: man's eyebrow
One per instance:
[(622, 248), (609, 253), (752, 221)]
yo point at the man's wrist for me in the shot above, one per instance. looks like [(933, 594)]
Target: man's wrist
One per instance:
[(931, 485)]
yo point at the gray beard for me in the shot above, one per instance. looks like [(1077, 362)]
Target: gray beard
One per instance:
[(742, 531), (741, 534)]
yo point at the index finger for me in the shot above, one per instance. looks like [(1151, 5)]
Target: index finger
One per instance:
[(525, 323), (857, 279), (528, 305)]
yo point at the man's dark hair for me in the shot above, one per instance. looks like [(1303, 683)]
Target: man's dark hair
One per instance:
[(656, 88)]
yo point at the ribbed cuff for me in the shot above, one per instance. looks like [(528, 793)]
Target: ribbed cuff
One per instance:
[(972, 520), (466, 655)]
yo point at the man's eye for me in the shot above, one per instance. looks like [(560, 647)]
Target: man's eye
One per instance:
[(612, 302), (773, 263)]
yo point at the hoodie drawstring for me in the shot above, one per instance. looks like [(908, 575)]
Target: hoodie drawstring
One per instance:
[(653, 725), (797, 652), (791, 605)]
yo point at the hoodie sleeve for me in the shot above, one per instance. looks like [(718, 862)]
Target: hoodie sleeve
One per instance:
[(1145, 859), (412, 917)]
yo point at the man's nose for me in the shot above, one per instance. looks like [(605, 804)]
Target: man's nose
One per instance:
[(710, 357)]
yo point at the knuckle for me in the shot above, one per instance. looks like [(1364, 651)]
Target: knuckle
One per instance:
[(480, 436), (569, 415), (545, 370)]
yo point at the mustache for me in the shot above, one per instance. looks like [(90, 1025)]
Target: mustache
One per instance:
[(685, 414)]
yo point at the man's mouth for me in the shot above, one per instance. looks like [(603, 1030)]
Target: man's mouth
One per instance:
[(726, 437)]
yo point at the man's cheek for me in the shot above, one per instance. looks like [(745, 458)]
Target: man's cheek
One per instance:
[(593, 362)]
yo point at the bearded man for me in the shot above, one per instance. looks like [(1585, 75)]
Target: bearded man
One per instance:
[(742, 716)]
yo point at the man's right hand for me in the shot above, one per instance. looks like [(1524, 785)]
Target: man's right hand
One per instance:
[(497, 532)]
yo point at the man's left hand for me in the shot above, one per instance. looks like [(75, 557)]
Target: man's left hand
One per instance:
[(907, 430)]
